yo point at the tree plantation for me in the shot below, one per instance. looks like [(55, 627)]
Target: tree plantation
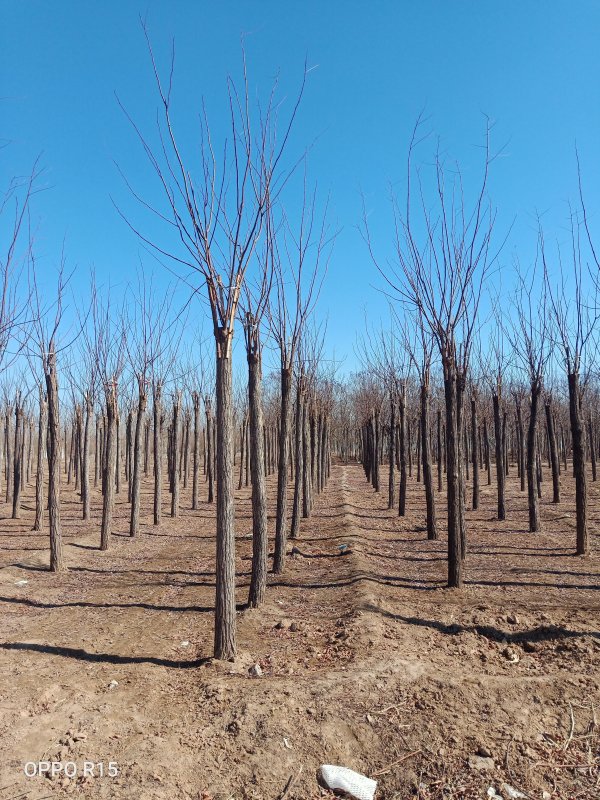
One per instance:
[(242, 558)]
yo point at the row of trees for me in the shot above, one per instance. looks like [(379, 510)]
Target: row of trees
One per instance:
[(439, 277)]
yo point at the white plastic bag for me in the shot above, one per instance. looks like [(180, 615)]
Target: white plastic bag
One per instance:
[(353, 783)]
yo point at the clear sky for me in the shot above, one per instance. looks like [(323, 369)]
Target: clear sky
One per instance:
[(532, 66)]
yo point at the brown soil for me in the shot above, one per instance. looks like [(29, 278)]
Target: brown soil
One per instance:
[(383, 669)]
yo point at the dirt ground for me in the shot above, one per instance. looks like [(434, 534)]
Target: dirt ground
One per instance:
[(367, 660)]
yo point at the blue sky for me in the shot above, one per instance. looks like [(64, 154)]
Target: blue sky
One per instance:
[(531, 66)]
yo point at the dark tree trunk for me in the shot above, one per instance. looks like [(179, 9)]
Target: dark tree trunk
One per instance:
[(488, 459), (592, 444), (157, 432), (282, 471), (175, 456), (209, 450), (577, 434), (305, 461), (426, 454), (521, 434), (455, 560), (403, 477), (532, 498), (56, 553), (9, 456), (258, 580), (553, 452), (111, 458), (39, 477), (298, 461), (500, 472), (85, 460), (17, 461), (475, 460), (392, 454), (134, 520), (196, 461), (242, 440), (439, 449)]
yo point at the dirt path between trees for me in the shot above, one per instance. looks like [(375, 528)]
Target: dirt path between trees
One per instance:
[(367, 661)]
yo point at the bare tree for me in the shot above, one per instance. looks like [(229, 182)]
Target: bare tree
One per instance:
[(440, 265), (529, 337), (43, 343), (296, 289), (217, 220), (574, 316)]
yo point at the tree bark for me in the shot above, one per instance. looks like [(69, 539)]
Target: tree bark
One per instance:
[(57, 563), (455, 561), (475, 460), (39, 476), (553, 452), (134, 520), (532, 498), (426, 455), (157, 434), (17, 461), (500, 472), (577, 434), (295, 527), (175, 456), (282, 473), (108, 503), (85, 460), (225, 622), (258, 580), (196, 461)]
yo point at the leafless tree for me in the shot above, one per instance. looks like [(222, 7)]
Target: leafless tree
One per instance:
[(217, 218), (442, 257)]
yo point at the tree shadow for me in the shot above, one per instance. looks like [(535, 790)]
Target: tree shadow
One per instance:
[(538, 634), (86, 604), (102, 658)]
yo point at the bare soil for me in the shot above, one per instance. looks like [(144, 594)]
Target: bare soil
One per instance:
[(367, 660)]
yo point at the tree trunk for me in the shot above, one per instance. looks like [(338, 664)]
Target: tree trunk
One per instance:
[(175, 456), (553, 452), (592, 445), (108, 503), (17, 461), (426, 455), (225, 622), (157, 433), (392, 454), (258, 580), (134, 520), (532, 498), (402, 444), (39, 477), (209, 450), (295, 527), (282, 473), (56, 553), (455, 561), (577, 434), (196, 460), (475, 460), (500, 472)]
